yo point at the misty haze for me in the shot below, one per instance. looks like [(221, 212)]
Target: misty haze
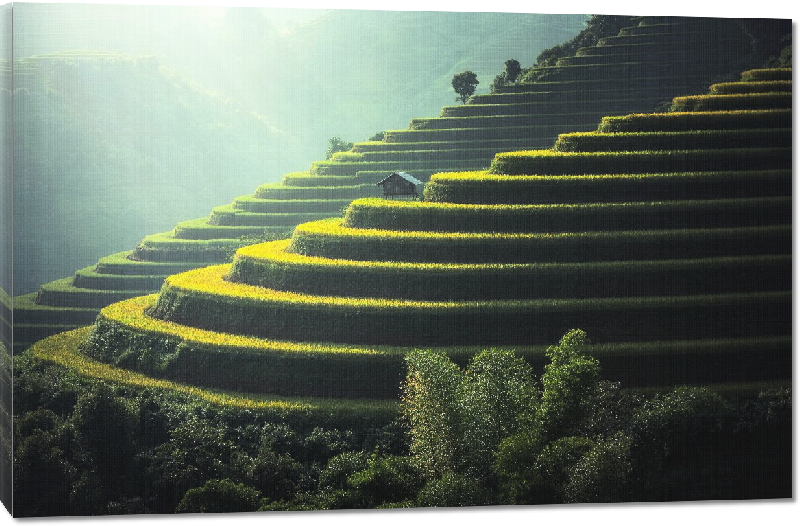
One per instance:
[(278, 260), (132, 118)]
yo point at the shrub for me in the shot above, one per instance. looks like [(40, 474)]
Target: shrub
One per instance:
[(452, 490), (276, 476), (219, 496), (601, 473), (384, 479), (340, 467)]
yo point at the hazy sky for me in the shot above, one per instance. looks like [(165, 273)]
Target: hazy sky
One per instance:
[(283, 18), (130, 29), (5, 32), (332, 78), (5, 142)]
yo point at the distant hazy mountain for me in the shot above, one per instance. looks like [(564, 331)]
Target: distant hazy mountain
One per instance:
[(110, 148), (176, 110), (313, 73), (353, 73)]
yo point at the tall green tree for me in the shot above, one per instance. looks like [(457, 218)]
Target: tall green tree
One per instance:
[(570, 388), (459, 418), (464, 85), (497, 398), (507, 76), (105, 426), (430, 406), (537, 465), (513, 69)]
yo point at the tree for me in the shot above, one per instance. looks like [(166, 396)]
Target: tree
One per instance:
[(335, 144), (533, 472), (197, 451), (536, 464), (509, 76), (498, 82), (390, 479), (453, 490), (513, 69), (570, 388), (464, 84), (431, 408), (459, 418), (498, 398), (44, 470), (677, 438), (105, 426)]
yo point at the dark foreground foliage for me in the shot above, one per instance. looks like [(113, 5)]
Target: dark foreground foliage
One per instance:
[(490, 434), (572, 437), (6, 447)]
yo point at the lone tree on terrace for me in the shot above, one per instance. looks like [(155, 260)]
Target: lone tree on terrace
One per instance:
[(336, 145), (513, 69), (464, 84)]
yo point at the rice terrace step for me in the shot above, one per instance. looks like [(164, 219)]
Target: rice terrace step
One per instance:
[(330, 186), (678, 265)]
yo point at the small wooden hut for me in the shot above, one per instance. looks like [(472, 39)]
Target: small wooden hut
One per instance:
[(400, 185)]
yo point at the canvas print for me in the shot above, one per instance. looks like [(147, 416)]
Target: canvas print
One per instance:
[(262, 259)]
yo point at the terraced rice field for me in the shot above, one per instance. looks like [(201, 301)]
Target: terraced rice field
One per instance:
[(659, 53), (674, 281)]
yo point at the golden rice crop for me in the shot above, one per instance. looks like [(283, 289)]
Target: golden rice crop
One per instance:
[(132, 315), (335, 227), (62, 350), (694, 120), (210, 282)]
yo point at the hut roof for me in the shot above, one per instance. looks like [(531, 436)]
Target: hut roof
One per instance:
[(408, 177)]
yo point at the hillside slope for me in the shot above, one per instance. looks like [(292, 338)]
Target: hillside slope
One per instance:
[(106, 145), (665, 236), (660, 53)]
